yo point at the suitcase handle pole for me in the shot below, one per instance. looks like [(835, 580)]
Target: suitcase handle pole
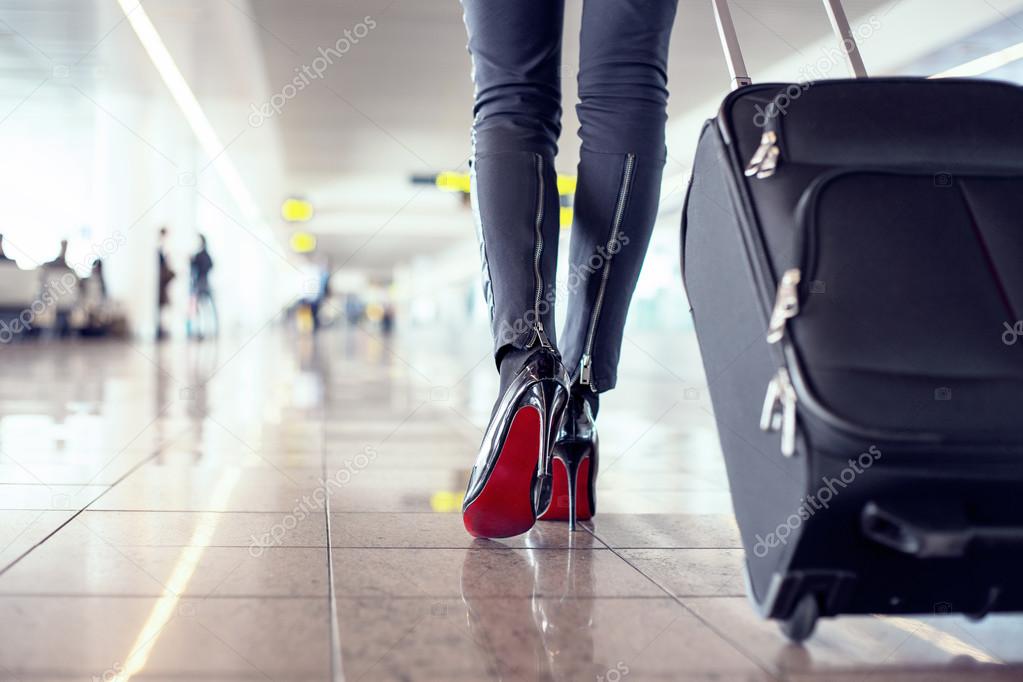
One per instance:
[(730, 44), (733, 51), (840, 25)]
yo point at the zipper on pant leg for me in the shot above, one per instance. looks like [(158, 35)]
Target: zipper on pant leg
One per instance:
[(586, 363), (540, 335)]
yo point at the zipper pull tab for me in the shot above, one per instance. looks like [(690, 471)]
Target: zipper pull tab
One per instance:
[(770, 164), (786, 305), (768, 414), (789, 422), (585, 367), (781, 394), (765, 159), (788, 414), (542, 337)]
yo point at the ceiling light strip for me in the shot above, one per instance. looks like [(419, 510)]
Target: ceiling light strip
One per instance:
[(189, 105), (985, 64)]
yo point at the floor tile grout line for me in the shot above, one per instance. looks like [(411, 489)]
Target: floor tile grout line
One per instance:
[(336, 664), (133, 469), (369, 596), (150, 596), (776, 675), (280, 548)]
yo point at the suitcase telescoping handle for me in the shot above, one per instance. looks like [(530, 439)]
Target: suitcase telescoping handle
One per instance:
[(733, 52)]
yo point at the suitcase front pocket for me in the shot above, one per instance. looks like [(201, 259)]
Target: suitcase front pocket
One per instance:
[(906, 286)]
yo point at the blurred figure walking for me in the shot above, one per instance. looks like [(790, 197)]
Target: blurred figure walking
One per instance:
[(165, 276), (202, 314), (61, 260), (60, 286), (4, 258)]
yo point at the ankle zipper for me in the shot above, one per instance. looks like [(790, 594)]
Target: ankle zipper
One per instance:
[(586, 362), (537, 257)]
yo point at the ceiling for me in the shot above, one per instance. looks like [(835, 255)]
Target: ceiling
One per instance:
[(398, 102)]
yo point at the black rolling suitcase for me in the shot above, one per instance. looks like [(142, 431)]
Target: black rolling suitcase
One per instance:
[(853, 257)]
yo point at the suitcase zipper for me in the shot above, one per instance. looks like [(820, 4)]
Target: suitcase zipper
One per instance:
[(786, 305), (765, 160), (779, 412), (789, 353), (586, 362), (540, 335)]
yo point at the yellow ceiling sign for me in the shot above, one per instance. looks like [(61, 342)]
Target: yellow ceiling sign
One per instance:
[(303, 242), (296, 210), (451, 181)]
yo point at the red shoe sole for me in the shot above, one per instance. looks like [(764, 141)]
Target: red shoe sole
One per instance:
[(505, 505), (558, 510)]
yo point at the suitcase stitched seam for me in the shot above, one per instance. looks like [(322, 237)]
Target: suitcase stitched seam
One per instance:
[(985, 249)]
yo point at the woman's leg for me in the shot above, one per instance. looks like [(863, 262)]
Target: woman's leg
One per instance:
[(622, 113), (516, 54)]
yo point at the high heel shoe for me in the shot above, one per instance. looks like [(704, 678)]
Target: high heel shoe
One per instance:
[(514, 461), (572, 495)]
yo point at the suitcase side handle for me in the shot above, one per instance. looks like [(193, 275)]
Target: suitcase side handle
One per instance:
[(733, 51), (920, 536)]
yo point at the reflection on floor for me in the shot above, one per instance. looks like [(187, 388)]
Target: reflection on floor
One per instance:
[(278, 508)]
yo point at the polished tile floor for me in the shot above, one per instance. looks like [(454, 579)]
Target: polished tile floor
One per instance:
[(279, 507)]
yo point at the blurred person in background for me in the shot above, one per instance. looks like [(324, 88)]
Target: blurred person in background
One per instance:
[(61, 288), (164, 277), (60, 261), (4, 258), (202, 310), (97, 281), (538, 458), (93, 299), (322, 292)]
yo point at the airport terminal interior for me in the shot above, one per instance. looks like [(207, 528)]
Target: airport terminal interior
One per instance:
[(246, 365)]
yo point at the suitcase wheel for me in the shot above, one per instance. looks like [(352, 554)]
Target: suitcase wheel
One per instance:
[(801, 624)]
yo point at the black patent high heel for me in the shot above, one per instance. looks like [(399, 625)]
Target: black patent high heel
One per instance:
[(514, 461), (576, 450)]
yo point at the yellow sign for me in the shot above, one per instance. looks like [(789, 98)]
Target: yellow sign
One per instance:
[(303, 242), (451, 181), (296, 210), (566, 184), (446, 502), (566, 217)]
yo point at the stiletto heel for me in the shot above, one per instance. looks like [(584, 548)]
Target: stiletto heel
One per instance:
[(572, 472), (574, 465), (514, 463)]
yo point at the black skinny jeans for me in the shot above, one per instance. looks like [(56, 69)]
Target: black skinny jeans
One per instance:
[(516, 51)]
